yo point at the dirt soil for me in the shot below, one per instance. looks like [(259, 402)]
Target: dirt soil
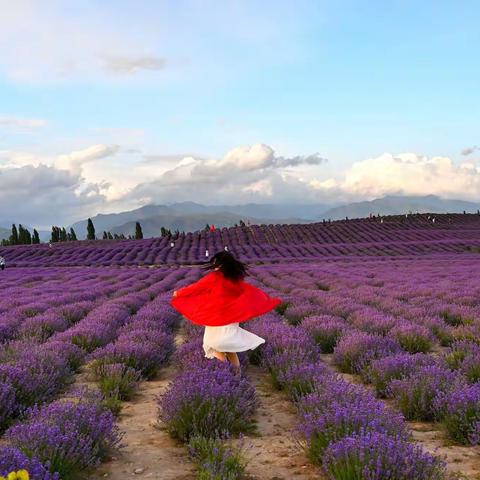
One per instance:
[(149, 451), (273, 453)]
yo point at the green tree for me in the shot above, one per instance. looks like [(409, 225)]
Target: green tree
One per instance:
[(207, 227), (138, 231), (21, 234), (55, 236), (28, 237), (90, 230), (14, 236), (110, 236), (63, 235), (36, 237), (73, 235), (105, 235)]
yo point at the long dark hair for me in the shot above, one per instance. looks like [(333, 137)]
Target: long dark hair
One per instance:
[(231, 268)]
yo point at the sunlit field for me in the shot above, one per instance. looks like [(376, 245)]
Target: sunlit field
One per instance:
[(372, 361)]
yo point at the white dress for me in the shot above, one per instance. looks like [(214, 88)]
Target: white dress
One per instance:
[(229, 338)]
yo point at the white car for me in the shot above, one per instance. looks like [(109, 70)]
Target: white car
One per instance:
[(2, 263)]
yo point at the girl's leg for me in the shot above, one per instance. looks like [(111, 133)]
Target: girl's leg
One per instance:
[(220, 356), (234, 360)]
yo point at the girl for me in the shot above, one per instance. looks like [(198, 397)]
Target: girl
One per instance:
[(220, 301)]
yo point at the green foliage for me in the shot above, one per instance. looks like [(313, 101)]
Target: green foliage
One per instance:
[(90, 230), (215, 460), (138, 231)]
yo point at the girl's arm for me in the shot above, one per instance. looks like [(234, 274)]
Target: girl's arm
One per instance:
[(203, 285)]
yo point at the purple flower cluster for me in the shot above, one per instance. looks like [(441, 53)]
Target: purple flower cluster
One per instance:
[(417, 394), (460, 412), (395, 367), (69, 435), (12, 459), (334, 412), (355, 239), (210, 402), (339, 409), (356, 350), (373, 455), (326, 330)]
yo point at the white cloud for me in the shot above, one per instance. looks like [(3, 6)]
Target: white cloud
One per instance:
[(75, 160), (44, 195), (106, 178), (131, 65), (18, 123), (49, 41), (470, 150), (253, 173), (408, 174)]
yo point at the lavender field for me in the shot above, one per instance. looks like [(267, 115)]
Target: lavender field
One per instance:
[(371, 367)]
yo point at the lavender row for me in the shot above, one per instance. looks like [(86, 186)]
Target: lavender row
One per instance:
[(52, 450), (392, 237), (50, 303), (142, 347), (344, 428), (385, 350), (205, 404)]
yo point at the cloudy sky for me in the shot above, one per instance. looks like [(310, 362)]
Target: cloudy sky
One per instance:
[(109, 105)]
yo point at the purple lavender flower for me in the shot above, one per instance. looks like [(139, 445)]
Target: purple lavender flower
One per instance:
[(326, 330), (460, 409), (302, 379), (145, 357), (69, 435), (382, 371), (417, 394), (8, 404), (357, 350), (373, 455), (327, 417), (12, 460), (412, 338), (208, 402)]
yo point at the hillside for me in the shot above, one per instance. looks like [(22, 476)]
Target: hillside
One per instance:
[(397, 205), (395, 236), (188, 223), (190, 216), (4, 233)]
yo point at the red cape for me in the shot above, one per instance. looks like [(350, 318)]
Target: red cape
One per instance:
[(215, 301)]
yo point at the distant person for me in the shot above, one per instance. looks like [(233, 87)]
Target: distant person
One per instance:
[(220, 301), (225, 248), (207, 254), (212, 228), (3, 263), (433, 220), (172, 244)]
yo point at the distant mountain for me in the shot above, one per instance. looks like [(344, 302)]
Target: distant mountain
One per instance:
[(4, 233), (190, 216), (395, 205), (189, 223)]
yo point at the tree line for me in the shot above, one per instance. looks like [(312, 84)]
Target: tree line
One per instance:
[(22, 236)]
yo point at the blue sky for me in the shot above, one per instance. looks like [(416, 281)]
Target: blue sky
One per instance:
[(379, 89)]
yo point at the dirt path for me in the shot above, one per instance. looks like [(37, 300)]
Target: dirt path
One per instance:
[(149, 451), (273, 453)]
